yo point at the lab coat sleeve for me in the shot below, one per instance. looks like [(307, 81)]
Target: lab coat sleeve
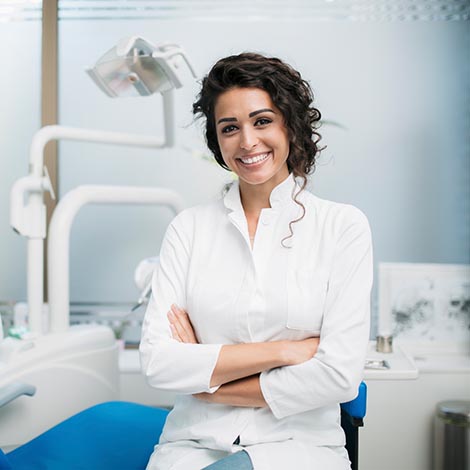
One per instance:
[(335, 372), (167, 363)]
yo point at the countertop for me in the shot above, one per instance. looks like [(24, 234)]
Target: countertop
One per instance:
[(402, 366)]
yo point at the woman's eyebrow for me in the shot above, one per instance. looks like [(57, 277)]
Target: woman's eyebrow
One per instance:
[(253, 113), (227, 119), (259, 111)]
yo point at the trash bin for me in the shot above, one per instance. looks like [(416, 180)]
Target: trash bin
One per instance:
[(452, 435)]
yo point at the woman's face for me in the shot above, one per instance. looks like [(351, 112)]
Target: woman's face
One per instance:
[(252, 136)]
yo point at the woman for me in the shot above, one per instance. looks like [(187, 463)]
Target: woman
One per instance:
[(260, 313)]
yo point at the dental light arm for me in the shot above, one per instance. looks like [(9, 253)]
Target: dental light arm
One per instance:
[(135, 67), (29, 219), (61, 225)]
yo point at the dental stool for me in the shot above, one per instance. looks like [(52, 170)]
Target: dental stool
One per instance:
[(121, 436)]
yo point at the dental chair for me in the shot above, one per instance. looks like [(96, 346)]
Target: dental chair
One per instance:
[(122, 435)]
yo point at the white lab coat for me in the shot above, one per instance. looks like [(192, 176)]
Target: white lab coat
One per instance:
[(235, 294)]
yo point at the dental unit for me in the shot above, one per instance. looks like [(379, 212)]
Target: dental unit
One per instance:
[(66, 369)]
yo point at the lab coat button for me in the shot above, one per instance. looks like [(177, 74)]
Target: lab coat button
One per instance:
[(265, 220)]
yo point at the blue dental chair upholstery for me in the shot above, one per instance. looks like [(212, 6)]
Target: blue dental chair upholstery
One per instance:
[(108, 436), (121, 436)]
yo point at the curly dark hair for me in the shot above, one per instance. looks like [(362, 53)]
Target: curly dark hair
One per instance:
[(288, 91)]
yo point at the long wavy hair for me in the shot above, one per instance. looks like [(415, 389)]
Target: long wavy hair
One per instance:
[(289, 92)]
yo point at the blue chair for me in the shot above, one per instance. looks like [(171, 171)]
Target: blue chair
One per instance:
[(108, 436), (121, 435)]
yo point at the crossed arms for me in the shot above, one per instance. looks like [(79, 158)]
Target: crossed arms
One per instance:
[(239, 365)]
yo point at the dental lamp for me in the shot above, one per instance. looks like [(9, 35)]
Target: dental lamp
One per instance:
[(134, 67)]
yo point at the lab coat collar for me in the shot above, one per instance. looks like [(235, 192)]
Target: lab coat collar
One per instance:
[(280, 195)]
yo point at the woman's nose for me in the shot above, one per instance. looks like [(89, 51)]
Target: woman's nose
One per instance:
[(248, 139)]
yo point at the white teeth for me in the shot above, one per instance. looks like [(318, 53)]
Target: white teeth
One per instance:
[(256, 159)]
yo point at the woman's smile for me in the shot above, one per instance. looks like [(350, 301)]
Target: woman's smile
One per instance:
[(255, 160)]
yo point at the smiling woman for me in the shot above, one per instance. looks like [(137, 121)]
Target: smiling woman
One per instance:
[(271, 105), (260, 325)]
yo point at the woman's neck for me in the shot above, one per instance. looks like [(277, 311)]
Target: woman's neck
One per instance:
[(254, 197)]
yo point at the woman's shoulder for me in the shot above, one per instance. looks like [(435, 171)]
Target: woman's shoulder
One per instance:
[(199, 213), (333, 212)]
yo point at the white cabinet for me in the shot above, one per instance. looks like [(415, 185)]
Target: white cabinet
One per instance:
[(398, 427)]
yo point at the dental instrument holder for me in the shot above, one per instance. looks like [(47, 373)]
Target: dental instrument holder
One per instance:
[(29, 219), (144, 297), (143, 280)]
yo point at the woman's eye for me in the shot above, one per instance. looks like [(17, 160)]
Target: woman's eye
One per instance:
[(228, 129), (262, 122)]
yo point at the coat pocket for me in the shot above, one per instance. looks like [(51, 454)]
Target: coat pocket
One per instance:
[(306, 299)]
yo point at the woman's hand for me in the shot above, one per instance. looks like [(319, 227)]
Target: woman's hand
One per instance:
[(242, 392), (296, 352), (181, 328)]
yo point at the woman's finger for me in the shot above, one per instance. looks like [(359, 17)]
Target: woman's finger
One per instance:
[(184, 322), (176, 329), (179, 328), (174, 333)]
